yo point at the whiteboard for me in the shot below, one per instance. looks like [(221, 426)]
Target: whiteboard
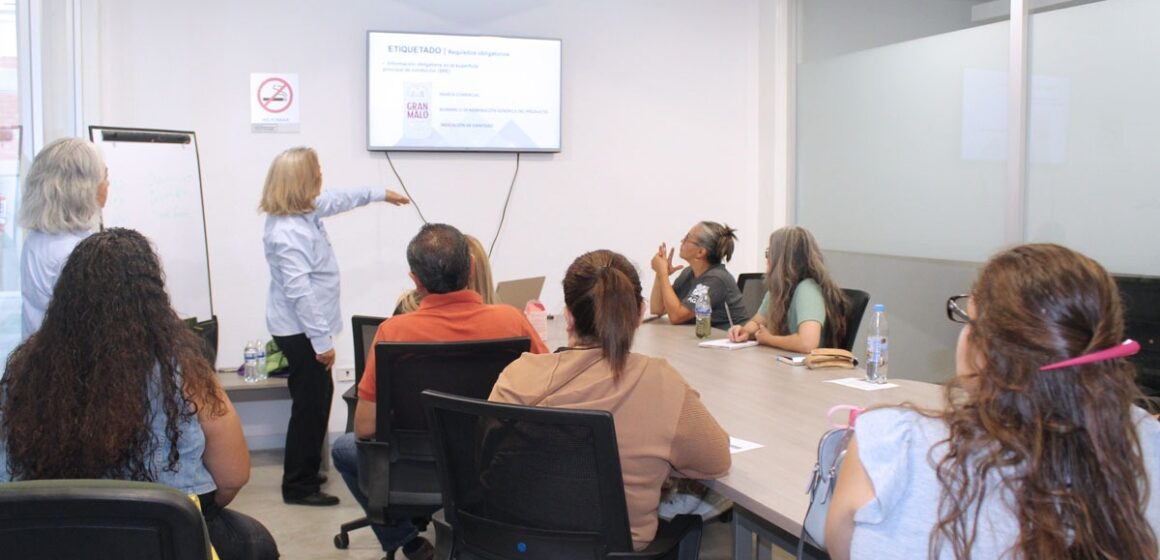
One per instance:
[(155, 188)]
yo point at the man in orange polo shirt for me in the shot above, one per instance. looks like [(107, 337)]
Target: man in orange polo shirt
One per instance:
[(440, 264)]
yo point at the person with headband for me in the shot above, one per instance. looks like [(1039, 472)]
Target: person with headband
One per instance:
[(661, 424), (800, 299), (64, 192), (302, 311), (1040, 451), (704, 247)]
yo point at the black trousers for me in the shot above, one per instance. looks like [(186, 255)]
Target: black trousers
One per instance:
[(311, 389)]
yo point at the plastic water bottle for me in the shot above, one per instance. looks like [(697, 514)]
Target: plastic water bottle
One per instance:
[(877, 347), (261, 348), (251, 367), (703, 311)]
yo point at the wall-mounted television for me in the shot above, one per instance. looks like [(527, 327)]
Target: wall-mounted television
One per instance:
[(462, 93)]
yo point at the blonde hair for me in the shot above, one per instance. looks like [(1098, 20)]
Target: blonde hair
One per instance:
[(60, 192), (292, 184), (408, 301), (481, 273)]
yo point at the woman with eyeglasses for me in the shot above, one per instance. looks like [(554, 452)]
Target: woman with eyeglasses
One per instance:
[(705, 248), (1040, 451), (800, 300)]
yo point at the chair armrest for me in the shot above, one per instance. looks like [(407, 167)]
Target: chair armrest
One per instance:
[(374, 475), (682, 533)]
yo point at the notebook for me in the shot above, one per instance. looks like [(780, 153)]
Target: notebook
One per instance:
[(517, 293)]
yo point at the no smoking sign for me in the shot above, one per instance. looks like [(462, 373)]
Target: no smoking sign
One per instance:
[(274, 103), (275, 95)]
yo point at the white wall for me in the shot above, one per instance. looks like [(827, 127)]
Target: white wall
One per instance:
[(658, 132)]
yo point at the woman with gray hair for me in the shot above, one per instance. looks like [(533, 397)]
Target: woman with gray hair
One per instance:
[(706, 247), (64, 192)]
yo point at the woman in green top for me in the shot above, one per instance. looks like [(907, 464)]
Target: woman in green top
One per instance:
[(801, 298)]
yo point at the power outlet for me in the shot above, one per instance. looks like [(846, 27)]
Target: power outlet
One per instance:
[(344, 374)]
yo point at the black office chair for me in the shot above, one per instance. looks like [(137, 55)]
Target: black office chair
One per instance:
[(752, 286), (397, 468), (363, 327), (858, 301), (537, 483), (99, 520)]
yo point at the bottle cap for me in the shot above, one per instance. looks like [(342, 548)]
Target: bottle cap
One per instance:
[(879, 307)]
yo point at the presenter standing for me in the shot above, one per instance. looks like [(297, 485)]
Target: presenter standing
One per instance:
[(66, 188), (302, 308)]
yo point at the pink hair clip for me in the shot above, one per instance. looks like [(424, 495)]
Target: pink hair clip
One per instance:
[(1122, 350)]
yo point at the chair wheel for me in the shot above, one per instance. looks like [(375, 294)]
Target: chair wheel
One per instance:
[(341, 541)]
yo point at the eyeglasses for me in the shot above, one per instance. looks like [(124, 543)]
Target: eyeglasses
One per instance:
[(767, 254), (689, 239), (957, 308)]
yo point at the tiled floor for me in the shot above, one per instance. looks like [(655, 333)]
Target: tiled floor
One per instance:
[(307, 533)]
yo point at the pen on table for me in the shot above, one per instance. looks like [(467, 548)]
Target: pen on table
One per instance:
[(729, 315)]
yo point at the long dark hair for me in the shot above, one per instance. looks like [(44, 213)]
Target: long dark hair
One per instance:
[(75, 395), (603, 294), (794, 256), (1065, 441)]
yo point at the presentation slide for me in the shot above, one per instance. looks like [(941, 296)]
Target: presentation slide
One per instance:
[(462, 93)]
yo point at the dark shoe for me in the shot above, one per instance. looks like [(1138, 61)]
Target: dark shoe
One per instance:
[(315, 499), (424, 552), (321, 479)]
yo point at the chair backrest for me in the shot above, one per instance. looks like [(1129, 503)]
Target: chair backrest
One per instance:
[(99, 519), (858, 301), (363, 327), (752, 286), (531, 482), (405, 369)]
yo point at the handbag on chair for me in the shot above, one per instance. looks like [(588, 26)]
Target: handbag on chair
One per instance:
[(831, 452)]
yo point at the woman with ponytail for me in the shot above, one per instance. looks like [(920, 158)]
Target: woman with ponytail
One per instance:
[(707, 247), (661, 424)]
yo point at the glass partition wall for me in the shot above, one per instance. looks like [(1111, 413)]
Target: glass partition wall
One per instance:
[(901, 127), (931, 134)]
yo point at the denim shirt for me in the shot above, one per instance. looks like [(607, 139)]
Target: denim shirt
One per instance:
[(304, 283), (190, 474)]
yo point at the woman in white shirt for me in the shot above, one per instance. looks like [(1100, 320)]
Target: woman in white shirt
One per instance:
[(64, 192), (302, 311)]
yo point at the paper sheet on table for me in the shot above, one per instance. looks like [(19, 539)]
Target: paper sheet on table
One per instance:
[(726, 344), (862, 384), (737, 445)]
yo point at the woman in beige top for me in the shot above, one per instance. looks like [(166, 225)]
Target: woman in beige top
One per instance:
[(661, 424)]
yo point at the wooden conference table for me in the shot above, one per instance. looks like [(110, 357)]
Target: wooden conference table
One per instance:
[(779, 406)]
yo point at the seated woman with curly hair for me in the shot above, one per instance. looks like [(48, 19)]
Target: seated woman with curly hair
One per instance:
[(1040, 451), (128, 393)]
